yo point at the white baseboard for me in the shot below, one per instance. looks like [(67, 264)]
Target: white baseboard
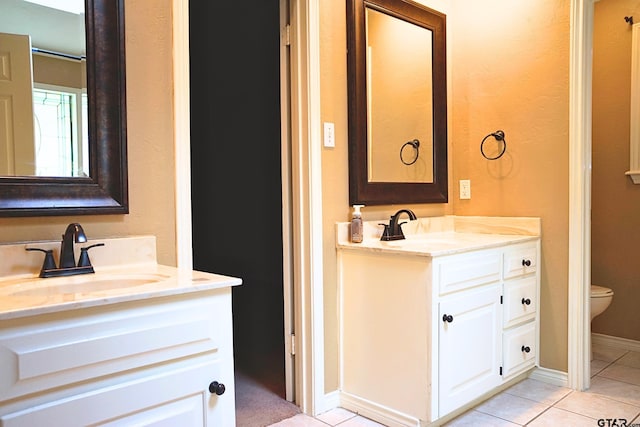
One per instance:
[(550, 376), (372, 410), (610, 341)]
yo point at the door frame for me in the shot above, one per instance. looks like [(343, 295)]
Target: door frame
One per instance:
[(304, 216), (579, 277)]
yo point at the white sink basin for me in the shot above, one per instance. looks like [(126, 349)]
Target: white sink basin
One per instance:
[(85, 283)]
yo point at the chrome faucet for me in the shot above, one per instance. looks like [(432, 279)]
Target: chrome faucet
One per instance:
[(393, 231), (73, 234)]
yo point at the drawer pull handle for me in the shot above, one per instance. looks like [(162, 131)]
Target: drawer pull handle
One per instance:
[(525, 349), (217, 388), (526, 301), (447, 318), (526, 262)]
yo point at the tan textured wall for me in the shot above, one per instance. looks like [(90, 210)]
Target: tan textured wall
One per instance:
[(511, 72), (335, 171), (508, 69), (61, 72), (150, 143), (615, 199)]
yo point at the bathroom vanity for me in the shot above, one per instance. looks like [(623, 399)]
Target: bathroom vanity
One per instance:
[(435, 323), (133, 343)]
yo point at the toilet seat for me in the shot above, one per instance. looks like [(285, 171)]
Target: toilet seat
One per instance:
[(600, 291)]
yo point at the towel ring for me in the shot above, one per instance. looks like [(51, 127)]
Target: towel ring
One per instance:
[(499, 136), (415, 144)]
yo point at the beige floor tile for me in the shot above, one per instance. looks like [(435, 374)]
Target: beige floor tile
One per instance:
[(596, 406), (335, 416), (512, 408), (554, 417), (359, 421), (299, 420), (597, 366), (475, 419), (539, 391), (621, 373), (607, 354), (615, 390), (631, 359)]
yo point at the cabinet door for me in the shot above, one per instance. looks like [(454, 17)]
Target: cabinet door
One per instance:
[(179, 397), (470, 346)]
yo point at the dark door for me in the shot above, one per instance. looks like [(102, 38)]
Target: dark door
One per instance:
[(236, 169)]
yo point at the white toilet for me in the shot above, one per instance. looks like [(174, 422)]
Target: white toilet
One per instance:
[(600, 299)]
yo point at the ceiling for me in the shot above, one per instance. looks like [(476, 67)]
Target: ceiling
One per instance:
[(49, 28)]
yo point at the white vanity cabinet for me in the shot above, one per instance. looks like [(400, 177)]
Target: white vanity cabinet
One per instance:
[(423, 335), (166, 360)]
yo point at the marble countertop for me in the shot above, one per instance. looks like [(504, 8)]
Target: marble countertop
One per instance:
[(28, 296), (448, 235), (437, 244), (125, 270)]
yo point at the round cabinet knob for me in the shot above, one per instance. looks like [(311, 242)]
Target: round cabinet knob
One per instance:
[(526, 301), (525, 349), (217, 388), (447, 318), (526, 262)]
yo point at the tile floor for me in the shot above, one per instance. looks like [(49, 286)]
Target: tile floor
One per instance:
[(614, 394)]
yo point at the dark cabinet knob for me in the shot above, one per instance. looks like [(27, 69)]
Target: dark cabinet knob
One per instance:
[(525, 349), (526, 301), (526, 262), (217, 388), (447, 318)]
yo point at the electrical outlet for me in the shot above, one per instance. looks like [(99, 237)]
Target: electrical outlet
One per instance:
[(329, 135), (465, 189)]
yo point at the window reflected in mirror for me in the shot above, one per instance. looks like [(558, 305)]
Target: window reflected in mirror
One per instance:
[(60, 132)]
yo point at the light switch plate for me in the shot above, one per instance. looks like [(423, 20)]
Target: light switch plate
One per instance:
[(329, 135)]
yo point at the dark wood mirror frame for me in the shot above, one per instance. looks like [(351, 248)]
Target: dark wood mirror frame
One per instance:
[(361, 191), (106, 191)]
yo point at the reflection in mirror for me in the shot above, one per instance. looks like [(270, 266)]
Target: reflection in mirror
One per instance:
[(104, 190), (44, 50), (396, 70), (399, 74)]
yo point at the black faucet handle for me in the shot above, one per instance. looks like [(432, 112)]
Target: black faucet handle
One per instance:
[(386, 233), (49, 263), (84, 261)]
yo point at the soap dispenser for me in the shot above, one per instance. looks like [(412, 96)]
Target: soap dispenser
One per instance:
[(356, 224)]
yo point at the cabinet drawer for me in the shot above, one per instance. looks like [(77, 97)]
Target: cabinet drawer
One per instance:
[(178, 398), (44, 352), (519, 347), (467, 270), (520, 300), (520, 260)]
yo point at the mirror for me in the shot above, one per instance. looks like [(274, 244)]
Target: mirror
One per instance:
[(44, 51), (104, 190), (396, 71)]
